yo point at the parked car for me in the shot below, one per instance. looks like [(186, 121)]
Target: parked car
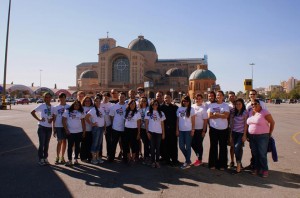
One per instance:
[(40, 100), (31, 100), (23, 101), (292, 101), (9, 101), (277, 101)]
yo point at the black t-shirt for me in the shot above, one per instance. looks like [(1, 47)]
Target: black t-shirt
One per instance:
[(170, 113)]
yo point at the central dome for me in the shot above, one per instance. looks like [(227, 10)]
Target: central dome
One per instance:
[(141, 44)]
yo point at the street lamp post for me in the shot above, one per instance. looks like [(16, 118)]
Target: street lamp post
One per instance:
[(5, 61), (252, 64)]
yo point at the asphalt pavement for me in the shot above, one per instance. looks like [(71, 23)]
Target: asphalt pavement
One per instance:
[(21, 176)]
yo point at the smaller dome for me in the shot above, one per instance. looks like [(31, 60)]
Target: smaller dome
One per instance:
[(89, 74), (175, 72), (202, 74)]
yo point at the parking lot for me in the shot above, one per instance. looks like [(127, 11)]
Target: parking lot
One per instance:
[(21, 176)]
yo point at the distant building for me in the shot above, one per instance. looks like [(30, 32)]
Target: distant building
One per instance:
[(138, 65), (290, 84)]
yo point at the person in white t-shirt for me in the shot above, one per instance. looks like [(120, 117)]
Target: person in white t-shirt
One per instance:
[(201, 119), (58, 128), (185, 129), (132, 131), (218, 114), (86, 143), (117, 113), (45, 119), (106, 105), (74, 124), (155, 130), (143, 108), (95, 117)]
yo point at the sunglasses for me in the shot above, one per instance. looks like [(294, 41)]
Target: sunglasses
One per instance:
[(253, 104)]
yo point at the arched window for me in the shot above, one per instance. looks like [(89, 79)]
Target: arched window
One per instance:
[(120, 69)]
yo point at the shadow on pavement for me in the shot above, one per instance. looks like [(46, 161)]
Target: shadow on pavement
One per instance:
[(118, 175), (21, 176)]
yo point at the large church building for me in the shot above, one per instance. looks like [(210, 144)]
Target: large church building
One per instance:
[(138, 66)]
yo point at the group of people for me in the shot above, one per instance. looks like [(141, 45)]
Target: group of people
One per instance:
[(151, 130)]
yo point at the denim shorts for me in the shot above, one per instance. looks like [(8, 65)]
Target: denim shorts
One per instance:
[(60, 133)]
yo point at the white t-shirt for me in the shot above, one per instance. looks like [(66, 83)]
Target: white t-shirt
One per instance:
[(261, 103), (86, 109), (185, 123), (143, 114), (155, 120), (74, 120), (201, 114), (106, 107), (98, 119), (46, 112), (131, 121), (58, 112), (118, 112), (219, 123)]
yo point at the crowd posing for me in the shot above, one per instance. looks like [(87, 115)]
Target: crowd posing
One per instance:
[(149, 131)]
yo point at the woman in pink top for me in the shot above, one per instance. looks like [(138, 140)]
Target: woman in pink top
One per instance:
[(261, 125)]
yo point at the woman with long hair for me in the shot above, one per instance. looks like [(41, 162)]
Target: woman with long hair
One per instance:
[(86, 144), (95, 117), (155, 130), (239, 128), (143, 108), (73, 122), (185, 129), (132, 131)]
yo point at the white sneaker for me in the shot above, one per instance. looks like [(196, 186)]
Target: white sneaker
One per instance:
[(95, 162), (185, 165), (46, 161), (41, 162)]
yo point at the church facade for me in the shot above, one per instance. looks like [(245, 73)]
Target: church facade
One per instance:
[(138, 66)]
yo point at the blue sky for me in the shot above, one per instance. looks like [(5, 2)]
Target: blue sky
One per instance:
[(55, 36)]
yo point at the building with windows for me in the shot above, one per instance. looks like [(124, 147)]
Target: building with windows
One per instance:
[(138, 65)]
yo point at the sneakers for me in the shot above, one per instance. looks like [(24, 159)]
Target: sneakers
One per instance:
[(46, 161), (57, 160), (197, 163), (62, 160), (69, 163), (41, 162), (265, 174), (76, 162), (153, 165), (185, 165), (100, 161), (94, 161), (231, 165)]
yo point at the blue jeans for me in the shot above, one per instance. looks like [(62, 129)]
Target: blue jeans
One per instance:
[(185, 140), (44, 134), (97, 134), (238, 145), (259, 147)]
